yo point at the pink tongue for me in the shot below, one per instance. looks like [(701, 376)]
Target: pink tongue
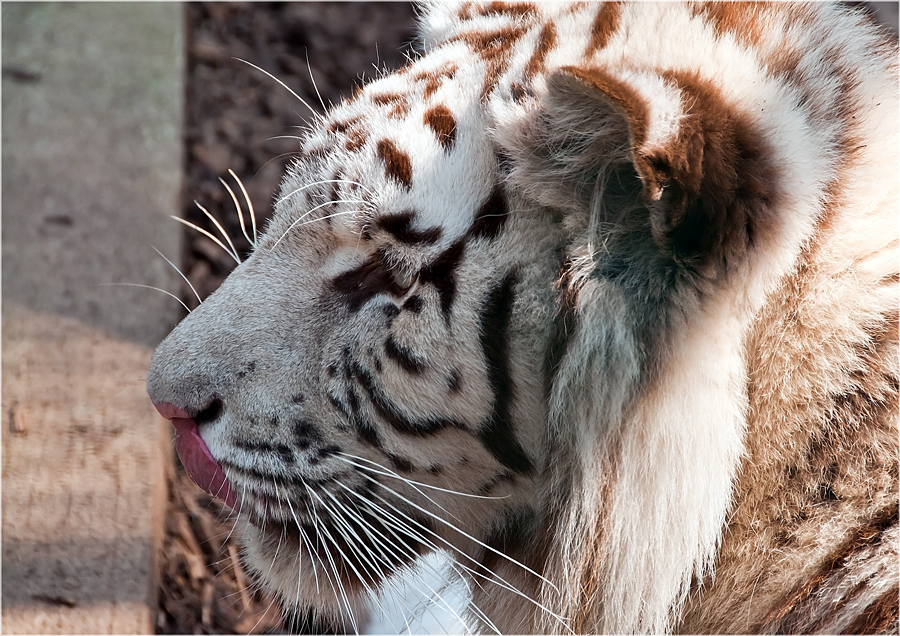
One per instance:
[(199, 463)]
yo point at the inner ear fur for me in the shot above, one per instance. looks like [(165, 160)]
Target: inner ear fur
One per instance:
[(705, 190)]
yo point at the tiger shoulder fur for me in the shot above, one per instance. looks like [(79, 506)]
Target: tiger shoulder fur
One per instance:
[(601, 299)]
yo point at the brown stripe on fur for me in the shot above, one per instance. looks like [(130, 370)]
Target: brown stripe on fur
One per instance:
[(605, 25), (546, 43), (843, 108), (509, 9), (441, 121), (495, 48), (343, 125), (356, 139), (434, 79), (797, 611), (743, 20), (881, 617), (383, 99), (397, 164)]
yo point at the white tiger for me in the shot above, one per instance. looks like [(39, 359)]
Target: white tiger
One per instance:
[(602, 299)]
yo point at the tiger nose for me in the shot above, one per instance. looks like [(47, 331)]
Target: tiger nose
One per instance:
[(170, 411), (198, 461)]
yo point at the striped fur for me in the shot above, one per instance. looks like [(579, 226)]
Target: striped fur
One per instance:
[(602, 299)]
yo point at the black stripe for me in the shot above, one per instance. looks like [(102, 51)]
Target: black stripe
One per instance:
[(358, 285), (266, 448), (389, 413), (407, 360), (497, 433), (563, 327), (514, 537), (400, 463), (491, 217), (305, 433), (365, 430), (442, 274), (400, 227), (414, 304)]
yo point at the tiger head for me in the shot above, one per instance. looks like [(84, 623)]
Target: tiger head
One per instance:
[(376, 372), (501, 310)]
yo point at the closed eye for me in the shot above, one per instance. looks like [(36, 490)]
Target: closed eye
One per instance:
[(373, 277)]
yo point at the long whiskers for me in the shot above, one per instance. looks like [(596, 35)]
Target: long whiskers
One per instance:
[(180, 273), (147, 287), (237, 206), (316, 115), (392, 521), (492, 578), (313, 209), (316, 183), (207, 234), (398, 548), (440, 519), (387, 472)]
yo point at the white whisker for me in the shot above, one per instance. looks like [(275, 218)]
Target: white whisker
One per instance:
[(468, 536), (208, 235), (315, 114), (180, 273), (310, 211), (502, 582), (237, 208), (249, 208), (148, 287), (306, 543), (322, 531), (313, 80), (322, 182), (409, 531), (221, 230), (400, 545), (389, 473)]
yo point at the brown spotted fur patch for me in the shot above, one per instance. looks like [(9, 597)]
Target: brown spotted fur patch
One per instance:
[(441, 121), (742, 20), (397, 164), (434, 79), (495, 48), (356, 139), (343, 125)]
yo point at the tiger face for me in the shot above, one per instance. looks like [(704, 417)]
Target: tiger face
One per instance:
[(597, 312), (380, 357)]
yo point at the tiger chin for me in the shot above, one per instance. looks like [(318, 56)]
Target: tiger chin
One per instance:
[(601, 300)]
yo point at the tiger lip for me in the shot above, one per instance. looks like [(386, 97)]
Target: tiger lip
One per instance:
[(198, 461)]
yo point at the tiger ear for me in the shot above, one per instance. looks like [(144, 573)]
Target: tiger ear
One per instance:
[(696, 165)]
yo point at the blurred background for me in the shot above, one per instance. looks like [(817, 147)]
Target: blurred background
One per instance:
[(115, 116)]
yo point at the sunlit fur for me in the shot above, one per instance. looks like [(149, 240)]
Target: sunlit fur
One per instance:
[(602, 299)]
